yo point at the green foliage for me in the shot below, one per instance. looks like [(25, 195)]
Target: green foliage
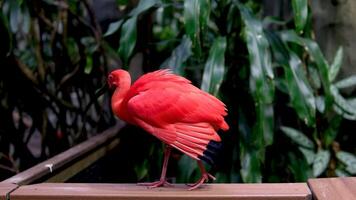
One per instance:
[(300, 9), (288, 113), (214, 69), (128, 39)]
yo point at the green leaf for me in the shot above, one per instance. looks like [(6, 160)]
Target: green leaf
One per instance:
[(196, 16), (314, 77), (187, 168), (26, 20), (179, 55), (331, 132), (268, 20), (261, 76), (299, 90), (142, 6), (299, 167), (342, 103), (336, 65), (321, 162), (298, 137), (346, 82), (349, 160), (308, 154), (344, 114), (89, 65), (320, 104), (264, 127), (15, 16), (300, 9), (341, 173), (250, 167), (259, 55), (313, 49), (214, 69), (128, 39), (113, 27)]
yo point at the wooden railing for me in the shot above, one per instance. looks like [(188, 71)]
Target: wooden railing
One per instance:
[(44, 181)]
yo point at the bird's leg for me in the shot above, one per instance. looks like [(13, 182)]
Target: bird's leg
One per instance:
[(162, 181), (205, 176)]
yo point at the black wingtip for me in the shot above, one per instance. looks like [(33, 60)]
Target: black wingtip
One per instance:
[(211, 153)]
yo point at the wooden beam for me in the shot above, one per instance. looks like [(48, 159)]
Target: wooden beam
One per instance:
[(76, 191), (63, 166), (333, 188), (5, 189)]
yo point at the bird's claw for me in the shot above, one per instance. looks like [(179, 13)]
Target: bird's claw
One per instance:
[(155, 184), (205, 177)]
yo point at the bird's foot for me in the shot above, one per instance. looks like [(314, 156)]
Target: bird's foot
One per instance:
[(205, 177), (160, 183)]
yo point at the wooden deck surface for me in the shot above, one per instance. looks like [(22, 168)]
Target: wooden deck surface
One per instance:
[(333, 188), (5, 189), (56, 191)]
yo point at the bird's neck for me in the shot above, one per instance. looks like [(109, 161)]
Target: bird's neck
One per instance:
[(120, 94)]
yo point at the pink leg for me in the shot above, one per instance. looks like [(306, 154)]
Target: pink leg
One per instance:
[(162, 181), (205, 176)]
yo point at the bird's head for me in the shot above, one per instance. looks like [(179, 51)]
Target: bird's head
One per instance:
[(117, 77)]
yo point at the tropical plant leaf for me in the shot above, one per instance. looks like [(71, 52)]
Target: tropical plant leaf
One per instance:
[(250, 167), (316, 54), (346, 82), (299, 90), (299, 167), (314, 77), (15, 16), (187, 168), (113, 27), (196, 16), (261, 75), (331, 132), (143, 6), (298, 137), (349, 160), (261, 79), (179, 55), (344, 114), (300, 9), (341, 102), (336, 65), (214, 69), (321, 162), (308, 154), (320, 104), (341, 173), (128, 39)]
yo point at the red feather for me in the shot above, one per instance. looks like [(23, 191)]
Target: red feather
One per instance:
[(171, 108)]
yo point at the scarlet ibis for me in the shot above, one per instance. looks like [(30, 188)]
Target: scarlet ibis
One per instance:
[(169, 107)]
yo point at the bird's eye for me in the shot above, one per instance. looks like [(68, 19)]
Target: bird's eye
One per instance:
[(112, 81)]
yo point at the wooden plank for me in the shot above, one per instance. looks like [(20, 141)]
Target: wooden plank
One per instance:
[(78, 166), (76, 191), (5, 189), (333, 188), (54, 164)]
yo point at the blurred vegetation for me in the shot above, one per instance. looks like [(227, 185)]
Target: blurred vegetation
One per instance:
[(290, 118)]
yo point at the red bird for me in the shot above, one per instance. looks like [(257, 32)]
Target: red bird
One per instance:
[(179, 114)]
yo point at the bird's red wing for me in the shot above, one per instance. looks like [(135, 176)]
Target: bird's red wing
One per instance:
[(176, 112), (179, 118)]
